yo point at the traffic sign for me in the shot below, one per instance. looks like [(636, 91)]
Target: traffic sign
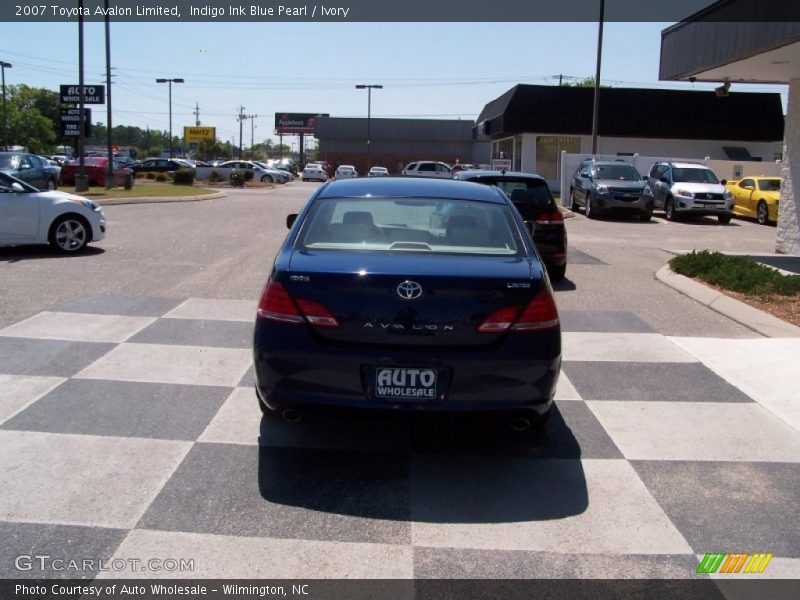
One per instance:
[(92, 94), (70, 122)]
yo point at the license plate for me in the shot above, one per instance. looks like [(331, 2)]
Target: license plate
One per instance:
[(402, 383), (710, 206)]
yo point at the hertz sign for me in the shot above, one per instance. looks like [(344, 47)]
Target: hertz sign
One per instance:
[(193, 135), (296, 122)]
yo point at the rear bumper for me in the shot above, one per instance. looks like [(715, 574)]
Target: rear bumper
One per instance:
[(294, 369)]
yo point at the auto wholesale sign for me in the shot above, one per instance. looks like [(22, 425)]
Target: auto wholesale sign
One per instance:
[(92, 94), (70, 122), (296, 122), (194, 135)]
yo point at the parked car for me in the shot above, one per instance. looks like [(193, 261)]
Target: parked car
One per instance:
[(284, 165), (378, 172), (159, 165), (601, 187), (428, 168), (260, 173), (314, 172), (756, 197), (95, 169), (30, 168), (530, 195), (346, 172), (30, 216), (278, 175), (686, 189), (429, 319)]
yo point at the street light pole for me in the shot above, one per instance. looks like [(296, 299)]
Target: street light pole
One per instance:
[(596, 108), (110, 183), (369, 88), (170, 82), (3, 66)]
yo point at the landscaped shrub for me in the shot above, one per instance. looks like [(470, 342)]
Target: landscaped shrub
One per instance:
[(162, 177), (150, 175), (215, 176), (248, 174), (238, 177), (735, 273), (183, 177), (141, 174)]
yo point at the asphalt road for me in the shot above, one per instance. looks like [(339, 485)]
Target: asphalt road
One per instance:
[(224, 249)]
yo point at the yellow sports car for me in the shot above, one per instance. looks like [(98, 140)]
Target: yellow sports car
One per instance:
[(756, 197)]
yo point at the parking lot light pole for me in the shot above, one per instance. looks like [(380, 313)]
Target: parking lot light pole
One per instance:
[(596, 108), (3, 66), (369, 88), (170, 82)]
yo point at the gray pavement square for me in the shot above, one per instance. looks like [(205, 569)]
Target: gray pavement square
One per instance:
[(57, 358), (620, 321), (124, 409), (577, 257), (740, 506), (120, 304), (196, 332), (286, 493), (672, 382)]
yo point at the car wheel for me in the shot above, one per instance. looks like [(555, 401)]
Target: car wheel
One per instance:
[(69, 234), (646, 216), (573, 203), (669, 209), (266, 179), (51, 185), (304, 179), (590, 211), (557, 272), (762, 213), (724, 219)]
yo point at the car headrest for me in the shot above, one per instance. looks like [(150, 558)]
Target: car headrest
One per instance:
[(357, 217)]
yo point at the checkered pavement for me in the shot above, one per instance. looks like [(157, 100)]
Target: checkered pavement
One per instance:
[(129, 428)]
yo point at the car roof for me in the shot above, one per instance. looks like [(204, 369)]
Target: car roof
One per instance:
[(685, 165), (466, 174), (613, 163), (422, 187)]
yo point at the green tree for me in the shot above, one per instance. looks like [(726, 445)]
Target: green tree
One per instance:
[(208, 149), (585, 82), (33, 115)]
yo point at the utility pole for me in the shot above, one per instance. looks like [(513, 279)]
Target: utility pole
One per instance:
[(3, 66), (110, 166), (196, 114), (596, 111), (369, 88), (81, 181), (241, 118)]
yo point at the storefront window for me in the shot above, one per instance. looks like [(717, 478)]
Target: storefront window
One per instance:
[(548, 153)]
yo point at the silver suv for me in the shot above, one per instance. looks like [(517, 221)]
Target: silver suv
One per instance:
[(428, 168), (684, 189)]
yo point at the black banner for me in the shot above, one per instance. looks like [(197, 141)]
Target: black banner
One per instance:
[(70, 122)]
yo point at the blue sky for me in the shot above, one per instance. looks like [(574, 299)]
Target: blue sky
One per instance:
[(445, 70)]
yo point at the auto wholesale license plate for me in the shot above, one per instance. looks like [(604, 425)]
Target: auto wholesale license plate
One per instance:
[(401, 383)]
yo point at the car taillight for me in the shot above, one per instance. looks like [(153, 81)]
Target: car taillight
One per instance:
[(554, 218), (540, 313), (277, 305)]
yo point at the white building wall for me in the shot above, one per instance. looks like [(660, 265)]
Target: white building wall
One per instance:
[(788, 234)]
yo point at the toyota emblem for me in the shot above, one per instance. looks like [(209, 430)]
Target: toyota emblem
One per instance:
[(409, 290)]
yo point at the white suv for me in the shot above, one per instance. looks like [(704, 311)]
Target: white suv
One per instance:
[(428, 168), (684, 189)]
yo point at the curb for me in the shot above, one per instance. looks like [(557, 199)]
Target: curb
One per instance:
[(157, 199), (568, 214), (757, 320)]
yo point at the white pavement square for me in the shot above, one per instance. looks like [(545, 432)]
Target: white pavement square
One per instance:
[(77, 327), (156, 363), (609, 508), (18, 391), (621, 347), (237, 422), (565, 390), (697, 431), (215, 310), (80, 479), (228, 557)]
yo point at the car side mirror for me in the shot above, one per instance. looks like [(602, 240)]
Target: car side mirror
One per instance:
[(645, 178), (663, 180), (17, 187), (725, 181), (24, 167), (290, 219)]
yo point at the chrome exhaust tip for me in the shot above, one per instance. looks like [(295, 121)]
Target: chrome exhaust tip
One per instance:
[(292, 415), (520, 424)]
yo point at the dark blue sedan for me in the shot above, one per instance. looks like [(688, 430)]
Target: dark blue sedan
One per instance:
[(408, 294)]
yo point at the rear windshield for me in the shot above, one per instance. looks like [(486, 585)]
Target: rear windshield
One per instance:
[(618, 172), (410, 225), (769, 185), (690, 175), (531, 197)]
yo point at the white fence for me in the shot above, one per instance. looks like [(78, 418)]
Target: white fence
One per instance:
[(204, 172), (725, 169)]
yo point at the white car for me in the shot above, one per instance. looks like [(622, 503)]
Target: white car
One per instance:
[(428, 168), (65, 221), (264, 174), (277, 174), (314, 173), (345, 172), (378, 172)]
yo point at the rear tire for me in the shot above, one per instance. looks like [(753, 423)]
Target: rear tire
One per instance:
[(646, 216), (573, 203), (266, 179), (762, 213), (557, 272), (589, 209), (51, 185), (724, 219)]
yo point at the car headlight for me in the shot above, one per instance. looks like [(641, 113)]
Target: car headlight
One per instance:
[(601, 189), (85, 202), (684, 193)]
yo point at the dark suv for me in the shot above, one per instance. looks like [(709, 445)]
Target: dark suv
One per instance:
[(605, 186), (531, 196)]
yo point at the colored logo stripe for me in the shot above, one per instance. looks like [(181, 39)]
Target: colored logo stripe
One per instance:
[(734, 562)]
